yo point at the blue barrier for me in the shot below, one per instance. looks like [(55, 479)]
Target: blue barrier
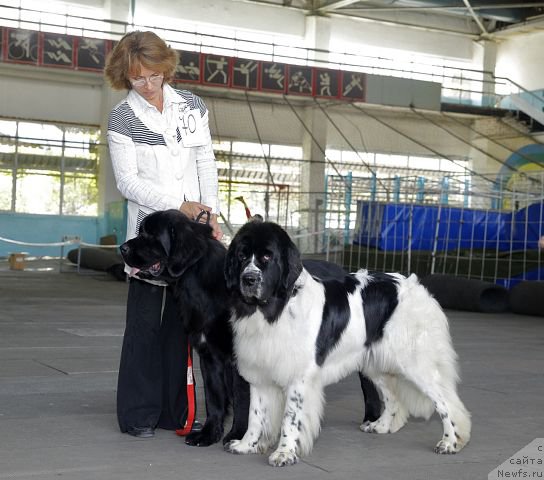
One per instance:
[(398, 226)]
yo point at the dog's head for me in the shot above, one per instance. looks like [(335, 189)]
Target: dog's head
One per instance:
[(168, 243), (262, 262)]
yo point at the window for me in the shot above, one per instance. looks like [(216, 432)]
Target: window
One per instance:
[(424, 163), (249, 148), (48, 169), (392, 160), (286, 151)]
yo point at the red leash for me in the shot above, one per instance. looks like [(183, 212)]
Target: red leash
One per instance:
[(190, 397)]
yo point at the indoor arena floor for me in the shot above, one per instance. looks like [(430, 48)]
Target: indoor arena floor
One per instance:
[(60, 339)]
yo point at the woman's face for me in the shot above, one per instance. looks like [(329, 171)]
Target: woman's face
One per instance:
[(148, 84)]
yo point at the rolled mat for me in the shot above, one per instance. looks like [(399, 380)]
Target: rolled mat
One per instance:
[(459, 293), (528, 298), (96, 258)]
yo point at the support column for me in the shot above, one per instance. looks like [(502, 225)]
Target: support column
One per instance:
[(317, 36), (312, 174), (120, 11), (487, 156), (312, 179), (109, 198), (110, 201), (486, 56)]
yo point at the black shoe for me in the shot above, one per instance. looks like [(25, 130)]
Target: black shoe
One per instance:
[(141, 432)]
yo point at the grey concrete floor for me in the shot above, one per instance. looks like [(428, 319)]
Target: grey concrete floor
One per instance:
[(60, 338)]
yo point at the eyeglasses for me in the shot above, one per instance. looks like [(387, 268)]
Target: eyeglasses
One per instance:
[(154, 79)]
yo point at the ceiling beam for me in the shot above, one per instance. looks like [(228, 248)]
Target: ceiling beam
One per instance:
[(336, 5), (476, 18), (438, 8)]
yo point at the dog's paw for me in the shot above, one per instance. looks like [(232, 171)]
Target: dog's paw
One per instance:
[(445, 447), (206, 437), (239, 448), (282, 459), (375, 427), (233, 435)]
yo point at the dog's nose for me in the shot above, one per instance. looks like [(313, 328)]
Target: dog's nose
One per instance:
[(124, 248), (251, 278)]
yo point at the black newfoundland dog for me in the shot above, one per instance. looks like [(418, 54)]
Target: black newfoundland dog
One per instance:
[(295, 333), (182, 252)]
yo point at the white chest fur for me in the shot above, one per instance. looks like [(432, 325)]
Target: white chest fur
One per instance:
[(280, 351)]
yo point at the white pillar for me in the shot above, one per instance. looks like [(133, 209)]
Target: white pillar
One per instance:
[(486, 57), (108, 195), (312, 175), (106, 182), (118, 10), (312, 178), (317, 36)]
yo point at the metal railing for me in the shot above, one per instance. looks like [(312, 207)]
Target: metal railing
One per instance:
[(495, 236)]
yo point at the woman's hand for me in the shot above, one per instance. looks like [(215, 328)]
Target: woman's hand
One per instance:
[(193, 209), (217, 232)]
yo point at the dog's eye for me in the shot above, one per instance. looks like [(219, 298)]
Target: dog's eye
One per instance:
[(241, 256), (266, 257)]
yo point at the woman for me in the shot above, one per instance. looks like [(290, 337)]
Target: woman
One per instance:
[(162, 157)]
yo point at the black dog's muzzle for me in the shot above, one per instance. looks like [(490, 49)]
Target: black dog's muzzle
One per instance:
[(251, 279)]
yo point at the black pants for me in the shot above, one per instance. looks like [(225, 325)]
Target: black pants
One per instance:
[(152, 383)]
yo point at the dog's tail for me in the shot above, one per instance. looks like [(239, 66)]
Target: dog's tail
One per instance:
[(417, 404)]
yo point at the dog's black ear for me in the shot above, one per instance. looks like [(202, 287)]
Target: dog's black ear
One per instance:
[(292, 264), (165, 237), (232, 266), (186, 248)]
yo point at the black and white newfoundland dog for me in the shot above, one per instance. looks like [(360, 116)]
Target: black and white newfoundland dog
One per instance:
[(183, 253), (294, 334)]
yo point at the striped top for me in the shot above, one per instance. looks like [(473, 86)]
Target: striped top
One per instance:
[(124, 121)]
